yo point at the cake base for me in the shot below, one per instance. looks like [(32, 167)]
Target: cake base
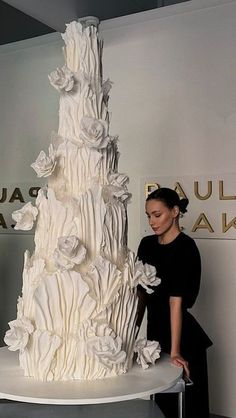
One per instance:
[(137, 383)]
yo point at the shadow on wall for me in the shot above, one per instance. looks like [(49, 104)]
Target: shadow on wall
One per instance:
[(12, 249)]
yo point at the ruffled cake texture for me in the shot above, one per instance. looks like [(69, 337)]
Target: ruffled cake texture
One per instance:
[(76, 317)]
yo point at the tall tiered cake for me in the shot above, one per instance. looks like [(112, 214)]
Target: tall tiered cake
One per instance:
[(76, 316)]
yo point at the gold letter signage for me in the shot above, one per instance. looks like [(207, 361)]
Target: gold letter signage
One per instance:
[(212, 204)]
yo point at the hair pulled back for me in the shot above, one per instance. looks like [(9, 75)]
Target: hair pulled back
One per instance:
[(170, 198)]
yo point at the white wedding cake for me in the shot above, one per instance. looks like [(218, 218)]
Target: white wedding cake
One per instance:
[(76, 318)]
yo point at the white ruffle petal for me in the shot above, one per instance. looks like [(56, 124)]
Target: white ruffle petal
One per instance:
[(25, 217), (147, 352)]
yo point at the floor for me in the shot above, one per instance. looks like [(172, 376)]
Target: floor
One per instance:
[(136, 408)]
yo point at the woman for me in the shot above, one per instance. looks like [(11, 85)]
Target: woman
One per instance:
[(177, 261)]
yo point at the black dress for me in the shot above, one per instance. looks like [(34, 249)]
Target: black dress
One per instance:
[(178, 265)]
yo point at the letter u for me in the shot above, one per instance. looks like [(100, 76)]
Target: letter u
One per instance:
[(4, 195), (209, 190)]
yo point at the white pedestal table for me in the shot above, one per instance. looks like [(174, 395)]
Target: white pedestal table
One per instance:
[(137, 383)]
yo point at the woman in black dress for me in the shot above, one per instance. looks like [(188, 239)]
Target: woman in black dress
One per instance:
[(177, 261)]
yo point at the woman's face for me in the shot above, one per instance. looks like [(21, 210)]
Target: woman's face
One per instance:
[(161, 218)]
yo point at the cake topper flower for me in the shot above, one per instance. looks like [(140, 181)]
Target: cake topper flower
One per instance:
[(62, 79), (145, 275), (106, 350), (147, 352), (17, 336), (69, 251), (25, 217), (45, 165), (94, 132)]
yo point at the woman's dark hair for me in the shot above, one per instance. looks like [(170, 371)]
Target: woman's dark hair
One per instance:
[(170, 198)]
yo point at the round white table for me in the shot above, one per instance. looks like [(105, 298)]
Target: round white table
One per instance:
[(137, 383)]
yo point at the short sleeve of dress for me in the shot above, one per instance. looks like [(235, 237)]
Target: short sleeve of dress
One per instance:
[(184, 273), (146, 250)]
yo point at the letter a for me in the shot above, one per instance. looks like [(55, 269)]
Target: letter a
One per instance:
[(202, 223), (2, 222)]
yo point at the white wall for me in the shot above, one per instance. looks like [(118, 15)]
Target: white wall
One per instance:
[(173, 105)]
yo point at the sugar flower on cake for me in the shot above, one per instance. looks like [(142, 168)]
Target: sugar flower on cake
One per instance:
[(107, 350), (62, 79), (118, 179), (17, 336), (25, 217), (45, 165), (116, 188), (136, 273), (147, 352), (94, 132), (122, 194), (69, 251), (145, 275)]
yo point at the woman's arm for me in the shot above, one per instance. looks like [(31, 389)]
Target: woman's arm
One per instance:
[(176, 328)]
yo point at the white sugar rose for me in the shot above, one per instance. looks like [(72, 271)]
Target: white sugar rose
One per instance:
[(69, 251), (118, 179), (62, 79), (145, 275), (147, 352), (94, 132), (45, 165), (25, 217), (116, 188), (106, 350), (18, 335), (121, 193)]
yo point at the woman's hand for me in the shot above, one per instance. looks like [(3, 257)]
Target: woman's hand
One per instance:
[(178, 360), (176, 328)]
